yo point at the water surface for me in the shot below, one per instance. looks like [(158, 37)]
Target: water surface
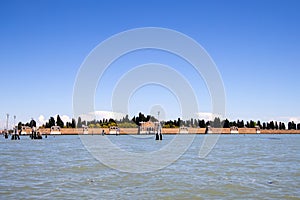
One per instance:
[(239, 167)]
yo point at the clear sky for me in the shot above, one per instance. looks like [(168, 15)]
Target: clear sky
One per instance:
[(255, 45)]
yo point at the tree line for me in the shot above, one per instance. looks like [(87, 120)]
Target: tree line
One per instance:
[(218, 123), (125, 122)]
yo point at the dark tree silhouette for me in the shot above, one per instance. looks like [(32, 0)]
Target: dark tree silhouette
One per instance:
[(258, 124), (226, 123), (264, 125), (240, 124), (217, 122), (32, 123), (202, 123), (20, 125), (51, 122), (73, 125), (292, 125), (79, 123), (140, 118), (272, 126), (59, 122), (283, 126)]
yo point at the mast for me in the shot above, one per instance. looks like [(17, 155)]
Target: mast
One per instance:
[(158, 127), (14, 121), (7, 116), (158, 134)]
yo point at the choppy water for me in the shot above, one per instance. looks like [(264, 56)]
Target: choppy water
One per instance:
[(239, 167)]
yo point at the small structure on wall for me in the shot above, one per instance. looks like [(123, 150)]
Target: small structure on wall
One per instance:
[(25, 130), (183, 130), (114, 130), (55, 130), (257, 129), (85, 129), (149, 127), (234, 130)]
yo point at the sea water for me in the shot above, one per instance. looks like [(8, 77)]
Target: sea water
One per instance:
[(238, 167)]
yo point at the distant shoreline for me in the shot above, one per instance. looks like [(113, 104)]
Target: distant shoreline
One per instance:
[(134, 131)]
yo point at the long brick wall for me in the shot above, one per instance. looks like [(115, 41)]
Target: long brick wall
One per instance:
[(74, 131)]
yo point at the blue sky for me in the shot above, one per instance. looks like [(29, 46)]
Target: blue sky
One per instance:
[(255, 45)]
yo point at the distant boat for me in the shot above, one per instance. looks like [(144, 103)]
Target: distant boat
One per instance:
[(183, 130), (55, 130), (114, 130)]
